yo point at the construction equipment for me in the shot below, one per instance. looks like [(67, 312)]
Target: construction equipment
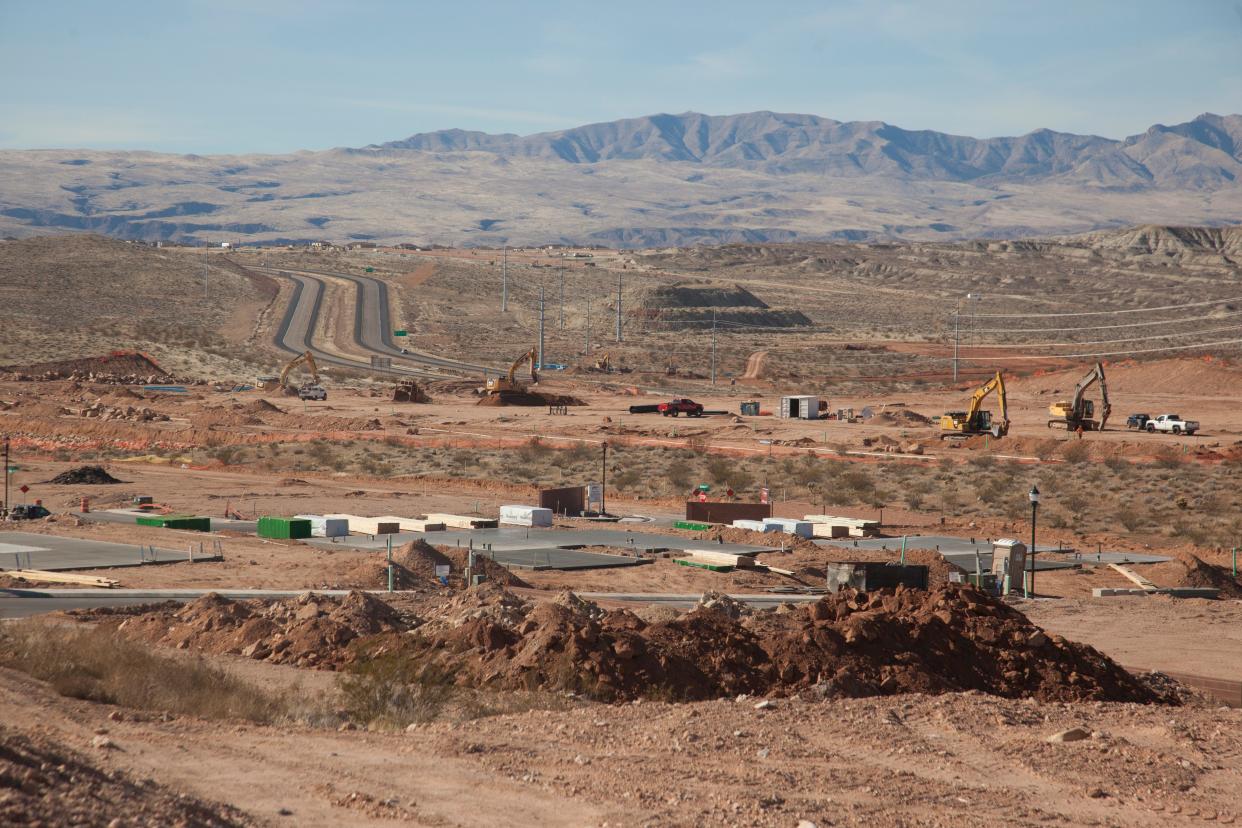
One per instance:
[(975, 420), (409, 391), (1079, 412), (509, 383), (604, 363), (281, 383)]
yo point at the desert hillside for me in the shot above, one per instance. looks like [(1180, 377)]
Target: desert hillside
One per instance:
[(686, 179), (69, 296)]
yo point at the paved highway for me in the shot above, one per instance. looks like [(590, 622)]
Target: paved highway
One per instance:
[(372, 325)]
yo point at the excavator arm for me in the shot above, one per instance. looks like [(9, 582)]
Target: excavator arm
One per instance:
[(1003, 401), (530, 356), (996, 383), (306, 357), (1106, 407)]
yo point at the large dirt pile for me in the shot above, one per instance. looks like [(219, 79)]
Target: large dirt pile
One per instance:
[(44, 783), (1191, 571), (848, 644), (83, 475), (309, 631)]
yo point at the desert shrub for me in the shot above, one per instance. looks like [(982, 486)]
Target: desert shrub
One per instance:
[(1130, 518), (582, 453), (533, 450), (100, 665), (392, 690), (983, 461), (1045, 449), (1077, 452), (1117, 464), (1170, 457), (678, 476), (225, 455), (719, 469), (627, 479)]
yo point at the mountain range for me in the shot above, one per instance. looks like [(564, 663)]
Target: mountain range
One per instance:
[(653, 181)]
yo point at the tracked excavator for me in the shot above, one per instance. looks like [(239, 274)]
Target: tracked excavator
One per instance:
[(1079, 412), (958, 425), (281, 383), (509, 383)]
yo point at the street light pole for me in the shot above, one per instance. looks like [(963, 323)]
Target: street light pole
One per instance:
[(1033, 494), (7, 506), (603, 483)]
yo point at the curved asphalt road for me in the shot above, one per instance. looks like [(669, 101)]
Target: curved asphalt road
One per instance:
[(372, 325)]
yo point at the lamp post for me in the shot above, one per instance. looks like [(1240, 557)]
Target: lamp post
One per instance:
[(603, 483), (1033, 494)]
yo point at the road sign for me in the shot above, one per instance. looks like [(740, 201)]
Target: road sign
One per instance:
[(370, 270), (400, 333), (23, 488), (15, 468)]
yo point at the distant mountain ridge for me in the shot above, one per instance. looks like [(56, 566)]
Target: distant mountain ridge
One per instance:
[(775, 142), (659, 180)]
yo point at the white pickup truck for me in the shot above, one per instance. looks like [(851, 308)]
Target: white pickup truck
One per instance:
[(1172, 423)]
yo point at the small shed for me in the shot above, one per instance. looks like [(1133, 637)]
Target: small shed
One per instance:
[(800, 407)]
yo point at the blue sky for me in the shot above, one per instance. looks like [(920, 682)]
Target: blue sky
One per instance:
[(211, 76)]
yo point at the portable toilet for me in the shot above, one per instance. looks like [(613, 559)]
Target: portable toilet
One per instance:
[(1009, 564)]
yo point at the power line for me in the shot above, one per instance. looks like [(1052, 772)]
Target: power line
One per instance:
[(1113, 327), (1106, 341), (1108, 312)]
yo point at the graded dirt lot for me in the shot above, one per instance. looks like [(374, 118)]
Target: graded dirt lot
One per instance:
[(439, 704)]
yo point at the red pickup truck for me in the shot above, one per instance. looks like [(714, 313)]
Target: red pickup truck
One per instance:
[(680, 406)]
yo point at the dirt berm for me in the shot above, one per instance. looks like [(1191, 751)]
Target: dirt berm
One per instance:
[(953, 638)]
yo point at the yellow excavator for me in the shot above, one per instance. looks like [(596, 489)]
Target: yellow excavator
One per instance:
[(509, 383), (1079, 412), (975, 420), (281, 383), (604, 363)]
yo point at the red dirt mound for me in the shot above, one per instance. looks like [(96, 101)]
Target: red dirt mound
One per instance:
[(848, 644), (1191, 571), (310, 630)]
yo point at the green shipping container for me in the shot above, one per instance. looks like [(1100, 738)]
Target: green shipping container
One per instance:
[(284, 528), (691, 525), (187, 522)]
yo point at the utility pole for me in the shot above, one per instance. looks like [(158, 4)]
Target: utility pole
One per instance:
[(504, 281), (541, 327), (7, 506), (588, 327), (957, 340), (713, 347), (562, 290), (618, 307), (206, 253)]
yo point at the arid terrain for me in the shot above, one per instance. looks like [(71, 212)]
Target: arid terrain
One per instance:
[(687, 179), (517, 700)]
